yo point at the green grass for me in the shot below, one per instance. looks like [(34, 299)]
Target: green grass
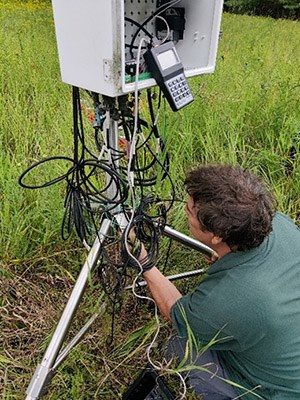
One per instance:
[(247, 112), (34, 118)]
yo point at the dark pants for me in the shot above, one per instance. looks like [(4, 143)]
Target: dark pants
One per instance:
[(208, 385)]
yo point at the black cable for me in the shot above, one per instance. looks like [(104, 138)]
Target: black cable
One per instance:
[(51, 182), (88, 198), (159, 10), (146, 234), (141, 28)]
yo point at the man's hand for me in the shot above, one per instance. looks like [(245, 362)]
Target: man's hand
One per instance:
[(138, 250)]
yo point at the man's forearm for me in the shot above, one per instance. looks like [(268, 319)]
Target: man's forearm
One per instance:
[(163, 291)]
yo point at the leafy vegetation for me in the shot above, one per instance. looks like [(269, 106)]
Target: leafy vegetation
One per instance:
[(248, 112), (272, 8)]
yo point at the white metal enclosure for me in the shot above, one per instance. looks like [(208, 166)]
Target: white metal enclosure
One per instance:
[(91, 37)]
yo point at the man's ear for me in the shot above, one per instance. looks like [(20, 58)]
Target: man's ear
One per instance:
[(216, 240)]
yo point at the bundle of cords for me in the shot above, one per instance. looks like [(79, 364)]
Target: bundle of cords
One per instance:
[(90, 176)]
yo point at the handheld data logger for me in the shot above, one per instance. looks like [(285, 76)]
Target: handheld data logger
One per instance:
[(165, 65)]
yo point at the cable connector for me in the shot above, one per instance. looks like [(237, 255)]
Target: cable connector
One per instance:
[(155, 42)]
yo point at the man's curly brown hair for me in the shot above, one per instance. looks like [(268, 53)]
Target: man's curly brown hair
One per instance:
[(232, 203)]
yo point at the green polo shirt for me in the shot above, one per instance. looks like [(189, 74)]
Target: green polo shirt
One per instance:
[(251, 300)]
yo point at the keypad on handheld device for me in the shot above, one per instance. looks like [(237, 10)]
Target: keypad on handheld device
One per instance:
[(179, 90)]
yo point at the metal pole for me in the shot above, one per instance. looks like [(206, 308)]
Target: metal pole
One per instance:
[(175, 277), (52, 359), (77, 338), (44, 370), (188, 241)]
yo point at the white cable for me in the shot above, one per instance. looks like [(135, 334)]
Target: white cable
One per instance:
[(131, 187), (131, 154), (86, 245), (168, 28), (130, 177), (104, 131)]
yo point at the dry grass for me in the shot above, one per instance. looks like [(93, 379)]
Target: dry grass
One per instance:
[(31, 305)]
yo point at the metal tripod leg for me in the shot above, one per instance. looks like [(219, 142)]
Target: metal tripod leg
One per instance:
[(54, 356), (45, 370), (188, 241)]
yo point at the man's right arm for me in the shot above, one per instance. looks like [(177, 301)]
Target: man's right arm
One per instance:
[(163, 291)]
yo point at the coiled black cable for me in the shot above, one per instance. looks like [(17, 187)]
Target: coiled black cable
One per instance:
[(97, 186)]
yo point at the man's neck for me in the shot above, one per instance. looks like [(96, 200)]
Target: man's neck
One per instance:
[(222, 249)]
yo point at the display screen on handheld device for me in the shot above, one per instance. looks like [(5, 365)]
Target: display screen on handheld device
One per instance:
[(165, 65), (168, 58)]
